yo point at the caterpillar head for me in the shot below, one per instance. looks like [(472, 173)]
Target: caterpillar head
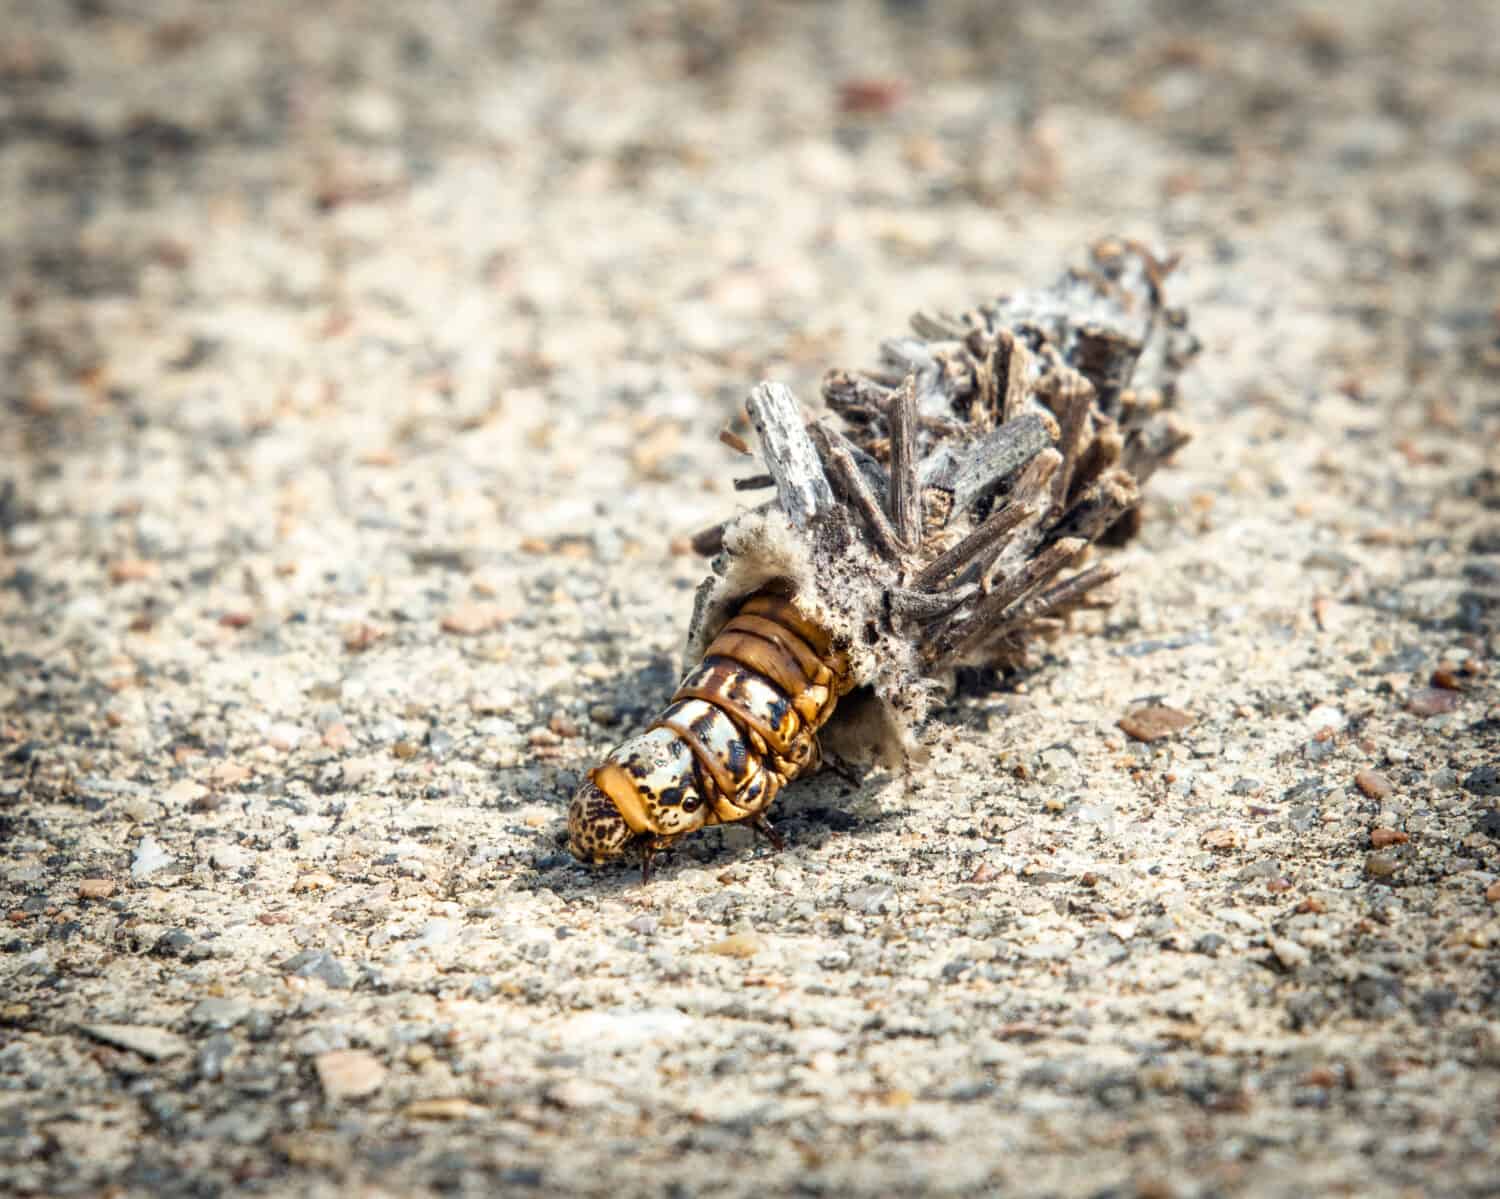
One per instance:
[(646, 793), (597, 833)]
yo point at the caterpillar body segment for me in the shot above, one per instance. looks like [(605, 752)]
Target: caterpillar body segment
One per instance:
[(741, 726)]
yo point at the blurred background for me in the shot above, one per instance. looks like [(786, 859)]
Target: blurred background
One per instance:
[(453, 235)]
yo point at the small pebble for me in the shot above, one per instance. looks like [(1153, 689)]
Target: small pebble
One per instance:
[(470, 620), (577, 1094), (217, 1012), (436, 932), (1373, 784), (1379, 865), (132, 570), (229, 774), (871, 900), (1209, 944), (1483, 780), (1431, 701), (1446, 677), (1220, 840), (285, 736), (1382, 838), (358, 636), (319, 964), (183, 792), (872, 94), (442, 1109), (1154, 723), (147, 1040), (96, 888), (1290, 954), (348, 1074), (1492, 892), (740, 945), (228, 858), (213, 1054), (1325, 716), (149, 858)]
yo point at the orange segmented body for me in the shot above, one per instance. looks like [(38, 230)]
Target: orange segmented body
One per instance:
[(741, 726)]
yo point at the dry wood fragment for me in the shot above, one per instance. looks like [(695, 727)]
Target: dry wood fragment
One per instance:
[(801, 485)]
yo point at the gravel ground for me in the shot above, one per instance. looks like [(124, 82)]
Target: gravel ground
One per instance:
[(362, 370)]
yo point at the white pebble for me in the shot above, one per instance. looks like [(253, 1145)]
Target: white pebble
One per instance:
[(149, 858)]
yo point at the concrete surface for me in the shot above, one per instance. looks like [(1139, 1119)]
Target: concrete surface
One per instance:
[(362, 366)]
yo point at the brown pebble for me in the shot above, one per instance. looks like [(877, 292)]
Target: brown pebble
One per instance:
[(96, 888), (236, 620), (1312, 904), (1492, 892), (406, 749), (131, 570), (1220, 840), (1380, 838), (338, 736), (1431, 701), (1446, 677), (348, 1073), (740, 945), (1373, 784), (468, 620), (1380, 865), (562, 725), (984, 873), (1154, 722), (228, 774), (359, 636), (871, 95)]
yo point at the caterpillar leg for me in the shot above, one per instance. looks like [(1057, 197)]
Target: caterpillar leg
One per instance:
[(763, 827), (649, 849)]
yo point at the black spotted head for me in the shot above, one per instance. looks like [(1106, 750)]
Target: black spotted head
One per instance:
[(597, 833), (646, 790)]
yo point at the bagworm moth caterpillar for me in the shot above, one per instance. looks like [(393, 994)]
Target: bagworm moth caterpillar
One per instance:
[(984, 457)]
